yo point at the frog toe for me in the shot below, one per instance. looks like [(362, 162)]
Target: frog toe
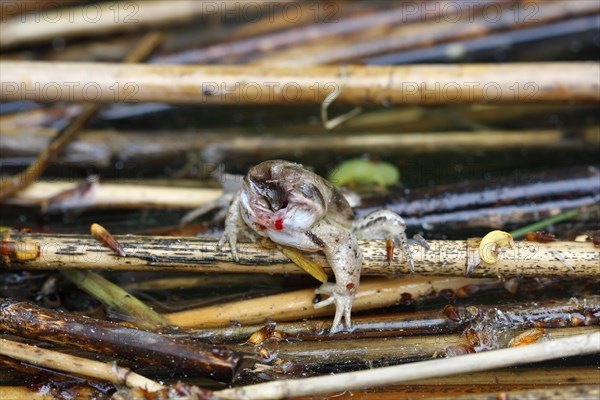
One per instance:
[(231, 239), (343, 309)]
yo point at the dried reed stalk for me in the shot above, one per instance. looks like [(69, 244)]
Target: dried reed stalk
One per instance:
[(549, 350), (298, 304), (445, 257), (101, 19), (360, 85), (116, 195), (101, 148), (76, 365)]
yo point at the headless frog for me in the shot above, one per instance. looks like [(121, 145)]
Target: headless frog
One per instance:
[(298, 208)]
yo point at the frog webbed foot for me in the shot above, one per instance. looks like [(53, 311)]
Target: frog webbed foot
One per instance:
[(343, 305), (385, 224)]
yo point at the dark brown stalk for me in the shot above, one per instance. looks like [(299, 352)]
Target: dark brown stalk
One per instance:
[(538, 35), (27, 320), (494, 203), (519, 188)]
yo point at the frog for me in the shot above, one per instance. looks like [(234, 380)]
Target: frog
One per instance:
[(296, 207)]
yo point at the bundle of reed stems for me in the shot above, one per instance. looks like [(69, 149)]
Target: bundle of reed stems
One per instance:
[(149, 101)]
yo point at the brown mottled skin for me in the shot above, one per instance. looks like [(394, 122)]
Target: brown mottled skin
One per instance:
[(298, 208)]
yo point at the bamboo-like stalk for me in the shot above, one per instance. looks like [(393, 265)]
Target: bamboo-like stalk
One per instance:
[(179, 39), (485, 194), (77, 365), (102, 18), (392, 349), (553, 349), (362, 326), (207, 282), (27, 320), (547, 314), (298, 304), (101, 148), (118, 195), (11, 9), (421, 84), (36, 117), (445, 257)]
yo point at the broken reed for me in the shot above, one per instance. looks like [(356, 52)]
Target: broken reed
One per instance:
[(445, 257)]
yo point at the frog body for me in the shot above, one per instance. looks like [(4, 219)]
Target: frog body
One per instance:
[(295, 207)]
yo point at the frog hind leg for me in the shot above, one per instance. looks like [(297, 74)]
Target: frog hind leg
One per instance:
[(344, 257)]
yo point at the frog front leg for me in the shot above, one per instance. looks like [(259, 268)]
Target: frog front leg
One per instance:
[(235, 227), (345, 258), (384, 224)]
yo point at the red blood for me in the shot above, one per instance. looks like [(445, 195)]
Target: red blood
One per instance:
[(279, 224)]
